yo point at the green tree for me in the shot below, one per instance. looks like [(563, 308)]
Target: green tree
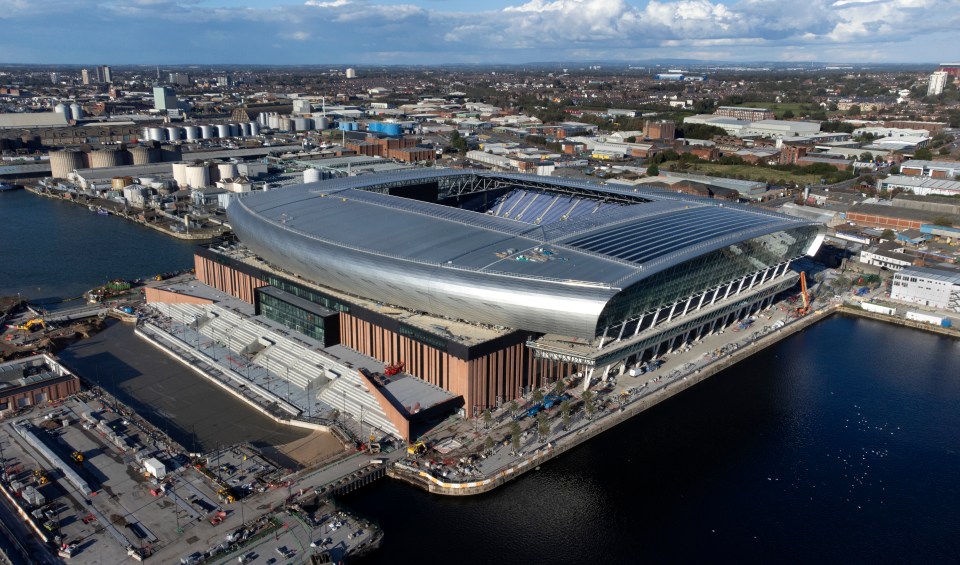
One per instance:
[(515, 436), (512, 407), (537, 396), (558, 387), (923, 154), (587, 398), (888, 234), (788, 114), (458, 142), (487, 418), (866, 156), (565, 413), (543, 426), (854, 110), (488, 443), (653, 170)]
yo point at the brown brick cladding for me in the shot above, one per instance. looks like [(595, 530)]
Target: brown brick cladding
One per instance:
[(55, 390), (160, 295), (231, 281), (883, 221), (479, 381), (396, 417)]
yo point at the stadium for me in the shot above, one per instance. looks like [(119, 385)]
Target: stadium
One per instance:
[(489, 284)]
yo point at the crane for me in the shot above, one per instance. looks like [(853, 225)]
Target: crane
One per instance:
[(804, 294)]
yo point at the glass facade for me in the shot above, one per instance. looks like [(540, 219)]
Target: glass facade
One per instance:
[(303, 318), (307, 294), (705, 272)]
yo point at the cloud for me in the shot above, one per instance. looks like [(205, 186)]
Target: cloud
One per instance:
[(332, 4), (300, 35)]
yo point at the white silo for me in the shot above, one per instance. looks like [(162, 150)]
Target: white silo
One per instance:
[(223, 130), (157, 134), (62, 163), (286, 124), (76, 111), (302, 124), (208, 132), (227, 170), (254, 129), (173, 133), (235, 130), (273, 122), (198, 176), (105, 158), (246, 129), (311, 175), (62, 108), (180, 174), (192, 133), (323, 123)]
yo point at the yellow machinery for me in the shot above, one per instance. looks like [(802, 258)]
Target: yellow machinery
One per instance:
[(418, 448), (41, 476), (804, 294), (77, 457), (226, 496), (31, 325)]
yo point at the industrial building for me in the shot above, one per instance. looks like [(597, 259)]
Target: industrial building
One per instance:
[(932, 169), (744, 113), (32, 381), (936, 288), (489, 284)]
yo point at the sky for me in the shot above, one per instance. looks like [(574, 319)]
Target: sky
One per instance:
[(426, 32)]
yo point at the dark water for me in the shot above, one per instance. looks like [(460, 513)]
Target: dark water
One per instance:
[(840, 444), (51, 250)]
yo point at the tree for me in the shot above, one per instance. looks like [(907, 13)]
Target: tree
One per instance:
[(923, 154), (653, 170), (942, 221), (788, 114), (888, 234), (512, 407), (515, 436), (866, 156), (458, 142), (565, 413), (537, 396), (587, 398), (487, 418), (854, 110), (488, 443), (631, 139), (543, 426), (558, 387)]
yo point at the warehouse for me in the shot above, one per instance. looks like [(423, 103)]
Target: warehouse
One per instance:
[(936, 288)]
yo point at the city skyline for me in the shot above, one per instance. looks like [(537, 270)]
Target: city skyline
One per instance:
[(456, 31)]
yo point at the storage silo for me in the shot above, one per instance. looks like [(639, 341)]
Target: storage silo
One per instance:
[(227, 170), (198, 176), (117, 183), (171, 153), (273, 122), (311, 175), (141, 155), (76, 112), (322, 123), (191, 133), (223, 130), (62, 108), (180, 174), (208, 132), (286, 124), (254, 129), (173, 133), (302, 124), (105, 158), (62, 163), (235, 130), (157, 134), (245, 127)]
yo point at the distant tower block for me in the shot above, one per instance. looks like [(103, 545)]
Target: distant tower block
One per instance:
[(351, 73)]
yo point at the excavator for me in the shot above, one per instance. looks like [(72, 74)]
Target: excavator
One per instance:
[(31, 325), (417, 449)]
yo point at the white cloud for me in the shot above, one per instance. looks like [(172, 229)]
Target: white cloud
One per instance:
[(332, 4), (300, 35)]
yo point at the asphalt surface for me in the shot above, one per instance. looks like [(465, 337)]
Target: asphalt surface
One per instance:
[(171, 396)]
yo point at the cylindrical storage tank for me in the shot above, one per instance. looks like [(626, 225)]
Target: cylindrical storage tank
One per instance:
[(227, 170), (180, 174), (254, 129), (391, 130), (302, 124), (62, 108), (323, 123), (146, 181), (141, 155), (286, 124), (234, 130), (171, 153), (76, 112), (157, 134), (117, 183), (198, 176), (62, 163), (311, 175), (373, 126), (273, 122), (173, 133), (245, 127), (191, 133), (223, 130), (208, 132), (105, 158)]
